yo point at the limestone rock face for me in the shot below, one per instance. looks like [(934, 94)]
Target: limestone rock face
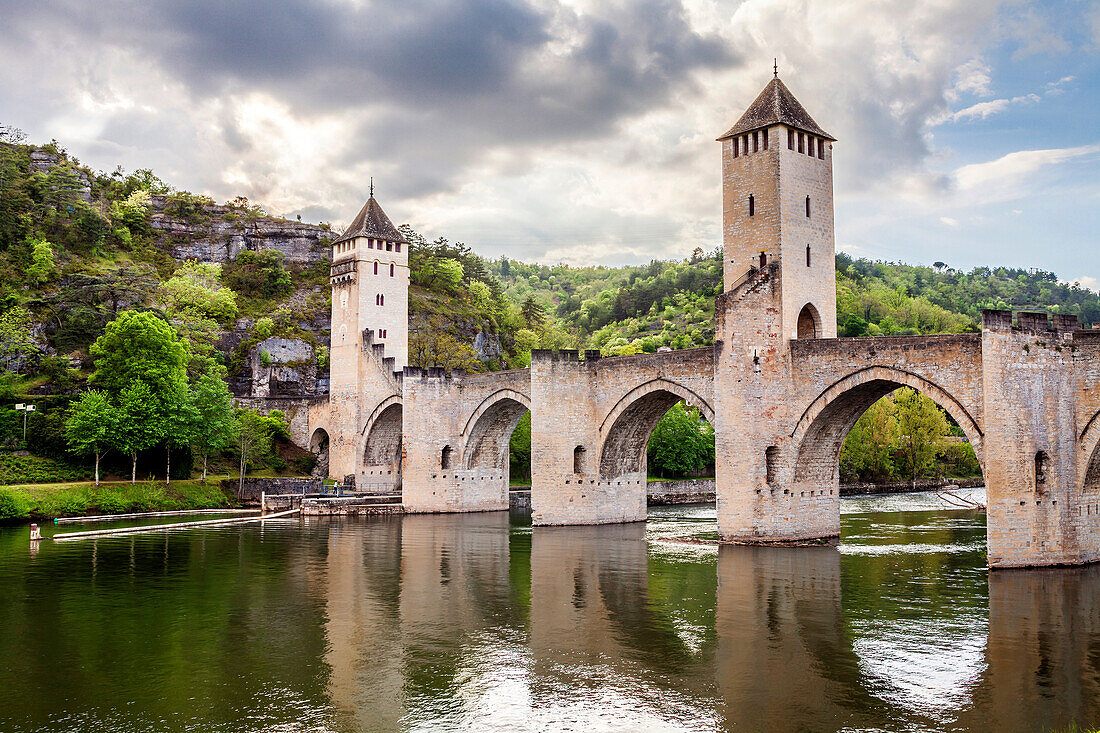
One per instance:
[(220, 233), (283, 367)]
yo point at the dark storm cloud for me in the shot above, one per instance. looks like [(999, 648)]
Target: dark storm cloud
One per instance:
[(486, 64)]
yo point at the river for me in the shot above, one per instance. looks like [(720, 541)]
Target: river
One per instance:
[(481, 622)]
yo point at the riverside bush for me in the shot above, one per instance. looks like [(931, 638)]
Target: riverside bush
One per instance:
[(13, 505), (38, 470)]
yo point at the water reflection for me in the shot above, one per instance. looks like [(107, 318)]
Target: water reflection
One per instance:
[(480, 622)]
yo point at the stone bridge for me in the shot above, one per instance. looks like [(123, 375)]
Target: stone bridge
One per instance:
[(780, 389), (1026, 393)]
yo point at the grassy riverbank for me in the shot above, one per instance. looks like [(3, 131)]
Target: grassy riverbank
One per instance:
[(46, 501)]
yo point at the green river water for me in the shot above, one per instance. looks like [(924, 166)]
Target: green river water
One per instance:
[(481, 622)]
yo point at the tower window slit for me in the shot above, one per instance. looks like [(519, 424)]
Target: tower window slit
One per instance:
[(790, 139), (391, 269), (755, 142), (807, 255), (375, 268), (807, 207), (752, 205), (801, 142), (765, 136), (821, 149)]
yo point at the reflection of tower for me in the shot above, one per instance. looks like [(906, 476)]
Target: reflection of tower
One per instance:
[(370, 328), (777, 207), (1043, 651), (784, 660), (363, 646)]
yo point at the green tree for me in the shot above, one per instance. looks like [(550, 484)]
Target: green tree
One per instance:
[(140, 423), (197, 304), (90, 425), (433, 345), (216, 424), (922, 427), (867, 453), (43, 267), (180, 420), (519, 450), (16, 337), (681, 444), (258, 274), (255, 435), (140, 347), (534, 313)]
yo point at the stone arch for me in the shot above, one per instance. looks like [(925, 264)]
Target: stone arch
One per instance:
[(627, 427), (1090, 451), (382, 444), (819, 434), (318, 446), (489, 429), (809, 321)]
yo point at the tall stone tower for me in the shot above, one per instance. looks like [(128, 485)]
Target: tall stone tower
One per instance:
[(370, 328), (777, 207)]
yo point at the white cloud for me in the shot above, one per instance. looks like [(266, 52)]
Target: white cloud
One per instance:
[(1085, 281), (973, 77), (982, 110), (949, 221), (1011, 176)]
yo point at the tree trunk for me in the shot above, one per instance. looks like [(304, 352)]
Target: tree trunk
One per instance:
[(240, 483), (204, 468), (97, 469), (168, 468), (133, 467)]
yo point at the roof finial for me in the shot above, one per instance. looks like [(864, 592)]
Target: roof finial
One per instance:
[(372, 186), (775, 67)]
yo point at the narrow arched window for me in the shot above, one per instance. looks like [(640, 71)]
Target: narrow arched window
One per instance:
[(765, 134), (445, 457), (801, 142), (755, 142), (736, 147), (1042, 469), (821, 149), (391, 270), (771, 464), (810, 145), (381, 299), (578, 459), (807, 255), (807, 207), (790, 139), (375, 268), (752, 205)]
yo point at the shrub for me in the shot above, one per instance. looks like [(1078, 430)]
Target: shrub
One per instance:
[(13, 505), (110, 501)]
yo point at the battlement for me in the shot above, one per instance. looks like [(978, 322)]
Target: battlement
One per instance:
[(1028, 322), (565, 355), (433, 373)]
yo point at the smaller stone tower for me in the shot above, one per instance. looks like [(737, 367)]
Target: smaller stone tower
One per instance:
[(370, 282), (777, 208), (370, 329)]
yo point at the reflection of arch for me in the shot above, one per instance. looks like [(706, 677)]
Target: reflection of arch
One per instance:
[(382, 446), (808, 319), (488, 435), (820, 432), (630, 423)]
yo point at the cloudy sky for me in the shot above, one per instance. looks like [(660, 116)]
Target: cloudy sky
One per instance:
[(583, 130)]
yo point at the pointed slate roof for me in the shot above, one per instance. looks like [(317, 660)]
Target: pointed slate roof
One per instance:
[(372, 222), (776, 106)]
